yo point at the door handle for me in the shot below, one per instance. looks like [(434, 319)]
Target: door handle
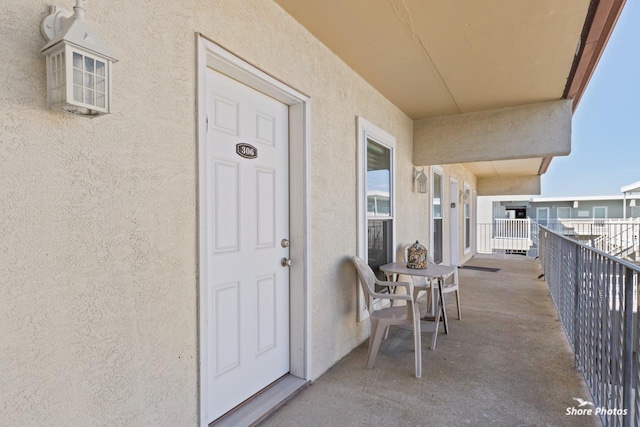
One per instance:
[(284, 243), (286, 262)]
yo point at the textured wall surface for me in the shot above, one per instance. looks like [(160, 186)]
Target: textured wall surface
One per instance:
[(98, 247), (534, 130), (514, 185), (462, 175)]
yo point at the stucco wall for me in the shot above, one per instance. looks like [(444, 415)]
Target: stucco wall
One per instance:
[(462, 175), (98, 255), (528, 131)]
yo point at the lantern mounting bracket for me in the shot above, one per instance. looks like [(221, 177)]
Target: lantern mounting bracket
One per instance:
[(52, 24)]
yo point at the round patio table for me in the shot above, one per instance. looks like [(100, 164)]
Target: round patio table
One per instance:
[(432, 272)]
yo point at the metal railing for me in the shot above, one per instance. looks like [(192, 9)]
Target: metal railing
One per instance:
[(617, 237), (596, 297)]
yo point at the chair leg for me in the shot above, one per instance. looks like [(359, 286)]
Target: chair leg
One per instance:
[(377, 331), (458, 302), (434, 337), (386, 332), (417, 341), (444, 309)]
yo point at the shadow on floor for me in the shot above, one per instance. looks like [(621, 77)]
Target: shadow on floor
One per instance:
[(507, 363)]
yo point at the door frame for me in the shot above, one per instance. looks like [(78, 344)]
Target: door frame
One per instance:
[(453, 221), (212, 55), (436, 170)]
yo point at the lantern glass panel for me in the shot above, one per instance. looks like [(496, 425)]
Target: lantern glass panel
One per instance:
[(57, 82), (77, 77), (89, 81), (100, 99), (100, 68), (77, 93), (100, 84), (77, 60), (88, 64), (88, 97)]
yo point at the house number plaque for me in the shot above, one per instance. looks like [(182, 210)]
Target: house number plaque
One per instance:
[(247, 151)]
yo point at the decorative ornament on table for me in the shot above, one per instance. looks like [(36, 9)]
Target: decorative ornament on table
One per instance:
[(417, 256)]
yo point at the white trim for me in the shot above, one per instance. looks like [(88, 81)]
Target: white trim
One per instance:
[(454, 226), (211, 55), (606, 212), (567, 208), (544, 208), (467, 187), (367, 130), (474, 222), (435, 170)]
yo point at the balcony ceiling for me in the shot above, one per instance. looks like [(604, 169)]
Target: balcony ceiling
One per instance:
[(433, 58), (504, 168)]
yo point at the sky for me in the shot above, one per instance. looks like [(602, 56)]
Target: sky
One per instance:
[(605, 146)]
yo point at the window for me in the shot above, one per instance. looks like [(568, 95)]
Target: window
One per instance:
[(467, 217), (542, 216), (436, 214), (379, 220), (564, 212), (599, 212), (376, 201)]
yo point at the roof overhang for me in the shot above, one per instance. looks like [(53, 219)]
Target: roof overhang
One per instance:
[(631, 188), (448, 58)]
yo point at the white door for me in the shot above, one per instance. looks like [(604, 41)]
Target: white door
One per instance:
[(542, 216), (247, 218), (453, 222)]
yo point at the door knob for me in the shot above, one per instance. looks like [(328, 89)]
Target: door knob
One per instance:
[(284, 243), (285, 262)]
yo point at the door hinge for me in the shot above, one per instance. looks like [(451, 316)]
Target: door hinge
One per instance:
[(206, 128)]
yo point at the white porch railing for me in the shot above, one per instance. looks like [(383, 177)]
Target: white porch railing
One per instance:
[(505, 236)]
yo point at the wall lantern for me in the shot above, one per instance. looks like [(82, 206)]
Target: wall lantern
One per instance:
[(421, 180), (78, 63), (465, 195)]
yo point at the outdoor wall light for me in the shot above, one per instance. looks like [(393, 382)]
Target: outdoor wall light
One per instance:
[(464, 195), (78, 63), (421, 180), (575, 204)]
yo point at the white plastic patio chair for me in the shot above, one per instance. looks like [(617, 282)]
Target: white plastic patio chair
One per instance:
[(382, 319)]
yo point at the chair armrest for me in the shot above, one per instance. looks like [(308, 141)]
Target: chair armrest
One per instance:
[(407, 286)]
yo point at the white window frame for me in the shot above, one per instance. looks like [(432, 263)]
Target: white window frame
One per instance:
[(564, 208), (367, 130), (606, 211), (467, 190), (436, 170), (544, 208)]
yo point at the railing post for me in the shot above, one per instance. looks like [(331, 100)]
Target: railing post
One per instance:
[(627, 362), (576, 304)]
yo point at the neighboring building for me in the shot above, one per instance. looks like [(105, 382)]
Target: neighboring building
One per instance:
[(163, 263), (609, 223), (551, 209)]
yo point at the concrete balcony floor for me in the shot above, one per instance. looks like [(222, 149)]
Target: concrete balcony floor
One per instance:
[(506, 363)]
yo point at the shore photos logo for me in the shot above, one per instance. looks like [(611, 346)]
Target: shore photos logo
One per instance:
[(586, 407)]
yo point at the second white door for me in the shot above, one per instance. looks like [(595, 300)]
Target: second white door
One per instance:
[(453, 222)]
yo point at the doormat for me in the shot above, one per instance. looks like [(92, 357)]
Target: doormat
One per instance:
[(488, 269)]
